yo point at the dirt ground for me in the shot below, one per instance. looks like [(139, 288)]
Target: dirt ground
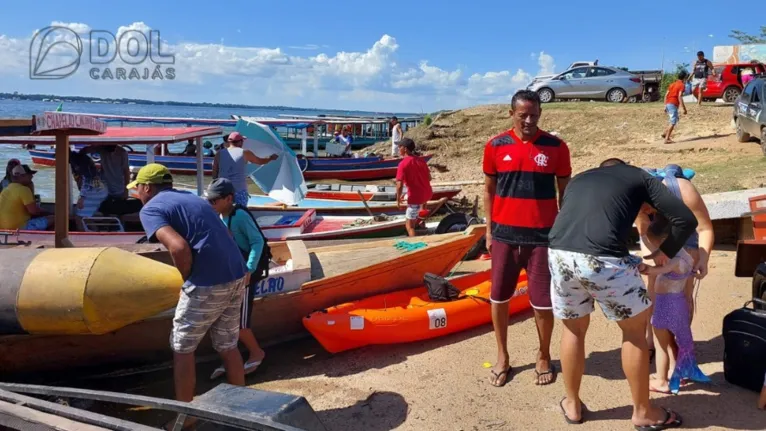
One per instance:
[(441, 384), (705, 141)]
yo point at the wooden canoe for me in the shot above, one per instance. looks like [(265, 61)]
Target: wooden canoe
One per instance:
[(339, 274), (370, 192), (331, 207), (291, 225)]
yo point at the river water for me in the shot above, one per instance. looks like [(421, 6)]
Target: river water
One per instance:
[(44, 179)]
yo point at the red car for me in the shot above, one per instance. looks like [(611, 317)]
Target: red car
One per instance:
[(727, 84)]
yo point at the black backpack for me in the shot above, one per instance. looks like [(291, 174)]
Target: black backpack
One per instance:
[(262, 269), (439, 289)]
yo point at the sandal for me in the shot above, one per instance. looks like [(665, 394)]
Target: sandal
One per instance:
[(566, 418), (664, 424), (496, 377), (551, 371)]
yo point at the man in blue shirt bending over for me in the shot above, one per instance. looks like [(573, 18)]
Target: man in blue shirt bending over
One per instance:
[(212, 269)]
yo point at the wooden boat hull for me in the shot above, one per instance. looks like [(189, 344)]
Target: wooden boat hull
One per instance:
[(330, 207), (308, 226), (79, 239), (276, 317), (365, 168), (374, 193), (409, 315)]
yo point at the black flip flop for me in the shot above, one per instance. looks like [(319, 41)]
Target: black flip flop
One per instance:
[(566, 418), (664, 425), (507, 372), (551, 370)]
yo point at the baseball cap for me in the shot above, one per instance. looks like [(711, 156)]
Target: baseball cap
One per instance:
[(236, 137), (13, 162), (407, 143), (153, 173), (219, 188), (22, 170)]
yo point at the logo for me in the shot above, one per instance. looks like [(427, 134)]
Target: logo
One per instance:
[(507, 158), (541, 159), (56, 52)]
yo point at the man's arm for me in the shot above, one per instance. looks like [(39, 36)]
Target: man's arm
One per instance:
[(252, 158), (712, 68), (681, 218), (215, 165), (398, 192), (681, 99), (179, 249), (36, 211), (694, 202), (490, 188), (561, 183)]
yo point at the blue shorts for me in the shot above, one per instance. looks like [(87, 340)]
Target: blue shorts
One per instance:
[(241, 197), (672, 111), (37, 223)]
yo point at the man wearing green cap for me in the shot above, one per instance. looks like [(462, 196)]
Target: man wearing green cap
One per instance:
[(212, 269)]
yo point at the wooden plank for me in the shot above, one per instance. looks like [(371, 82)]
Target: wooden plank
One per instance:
[(72, 413), (62, 191), (36, 417), (16, 122), (459, 183)]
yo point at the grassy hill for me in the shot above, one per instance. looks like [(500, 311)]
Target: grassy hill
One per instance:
[(595, 131)]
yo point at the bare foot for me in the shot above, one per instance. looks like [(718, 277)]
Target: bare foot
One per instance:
[(661, 386), (500, 373), (572, 410), (545, 372), (658, 416)]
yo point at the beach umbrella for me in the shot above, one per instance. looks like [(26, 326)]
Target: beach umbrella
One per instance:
[(281, 179)]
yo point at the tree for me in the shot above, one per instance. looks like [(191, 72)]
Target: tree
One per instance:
[(749, 39)]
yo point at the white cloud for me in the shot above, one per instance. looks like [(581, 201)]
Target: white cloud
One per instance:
[(546, 63), (270, 76)]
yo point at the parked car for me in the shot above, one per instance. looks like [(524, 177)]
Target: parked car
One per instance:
[(571, 66), (749, 112), (727, 84), (589, 82)]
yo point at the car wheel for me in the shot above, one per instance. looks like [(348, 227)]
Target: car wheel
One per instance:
[(546, 95), (742, 136), (730, 94), (616, 95), (632, 99)]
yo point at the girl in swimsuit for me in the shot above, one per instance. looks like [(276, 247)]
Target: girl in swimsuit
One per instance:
[(671, 319)]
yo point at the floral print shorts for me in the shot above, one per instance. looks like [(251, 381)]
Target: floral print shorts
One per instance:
[(578, 280)]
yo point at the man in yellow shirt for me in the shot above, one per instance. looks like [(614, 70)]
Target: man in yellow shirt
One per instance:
[(18, 209)]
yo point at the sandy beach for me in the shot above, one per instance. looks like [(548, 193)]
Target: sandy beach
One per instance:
[(441, 384)]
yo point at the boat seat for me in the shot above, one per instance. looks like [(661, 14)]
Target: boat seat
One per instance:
[(102, 224)]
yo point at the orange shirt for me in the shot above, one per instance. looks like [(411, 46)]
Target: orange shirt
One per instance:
[(673, 91)]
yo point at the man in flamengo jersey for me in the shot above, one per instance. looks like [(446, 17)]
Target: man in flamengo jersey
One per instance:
[(523, 169)]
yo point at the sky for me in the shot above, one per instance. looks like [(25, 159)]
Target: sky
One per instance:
[(394, 56)]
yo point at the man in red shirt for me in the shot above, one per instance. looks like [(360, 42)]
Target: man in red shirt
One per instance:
[(523, 169), (673, 98), (412, 172)]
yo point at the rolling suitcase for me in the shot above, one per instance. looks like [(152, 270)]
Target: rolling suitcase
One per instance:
[(744, 355)]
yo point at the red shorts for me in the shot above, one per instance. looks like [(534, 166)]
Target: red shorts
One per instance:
[(508, 261)]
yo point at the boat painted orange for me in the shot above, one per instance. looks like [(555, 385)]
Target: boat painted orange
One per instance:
[(408, 315)]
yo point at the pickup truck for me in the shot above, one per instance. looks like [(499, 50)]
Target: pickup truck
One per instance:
[(651, 79)]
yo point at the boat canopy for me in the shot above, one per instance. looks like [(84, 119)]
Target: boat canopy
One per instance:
[(296, 123), (124, 135)]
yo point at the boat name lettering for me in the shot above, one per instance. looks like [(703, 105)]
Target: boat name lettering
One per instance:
[(437, 318), (270, 285), (63, 120)]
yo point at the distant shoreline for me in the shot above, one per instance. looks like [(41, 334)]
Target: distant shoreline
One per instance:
[(126, 101)]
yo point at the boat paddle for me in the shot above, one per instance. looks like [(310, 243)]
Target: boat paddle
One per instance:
[(369, 211)]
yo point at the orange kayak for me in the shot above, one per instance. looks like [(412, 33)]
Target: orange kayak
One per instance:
[(408, 315)]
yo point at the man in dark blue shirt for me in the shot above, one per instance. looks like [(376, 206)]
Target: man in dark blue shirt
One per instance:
[(212, 269)]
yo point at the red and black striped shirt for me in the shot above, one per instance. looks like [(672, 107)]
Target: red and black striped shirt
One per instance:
[(525, 205)]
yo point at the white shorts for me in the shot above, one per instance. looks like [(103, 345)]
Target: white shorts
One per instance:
[(699, 82), (578, 280), (412, 212)]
